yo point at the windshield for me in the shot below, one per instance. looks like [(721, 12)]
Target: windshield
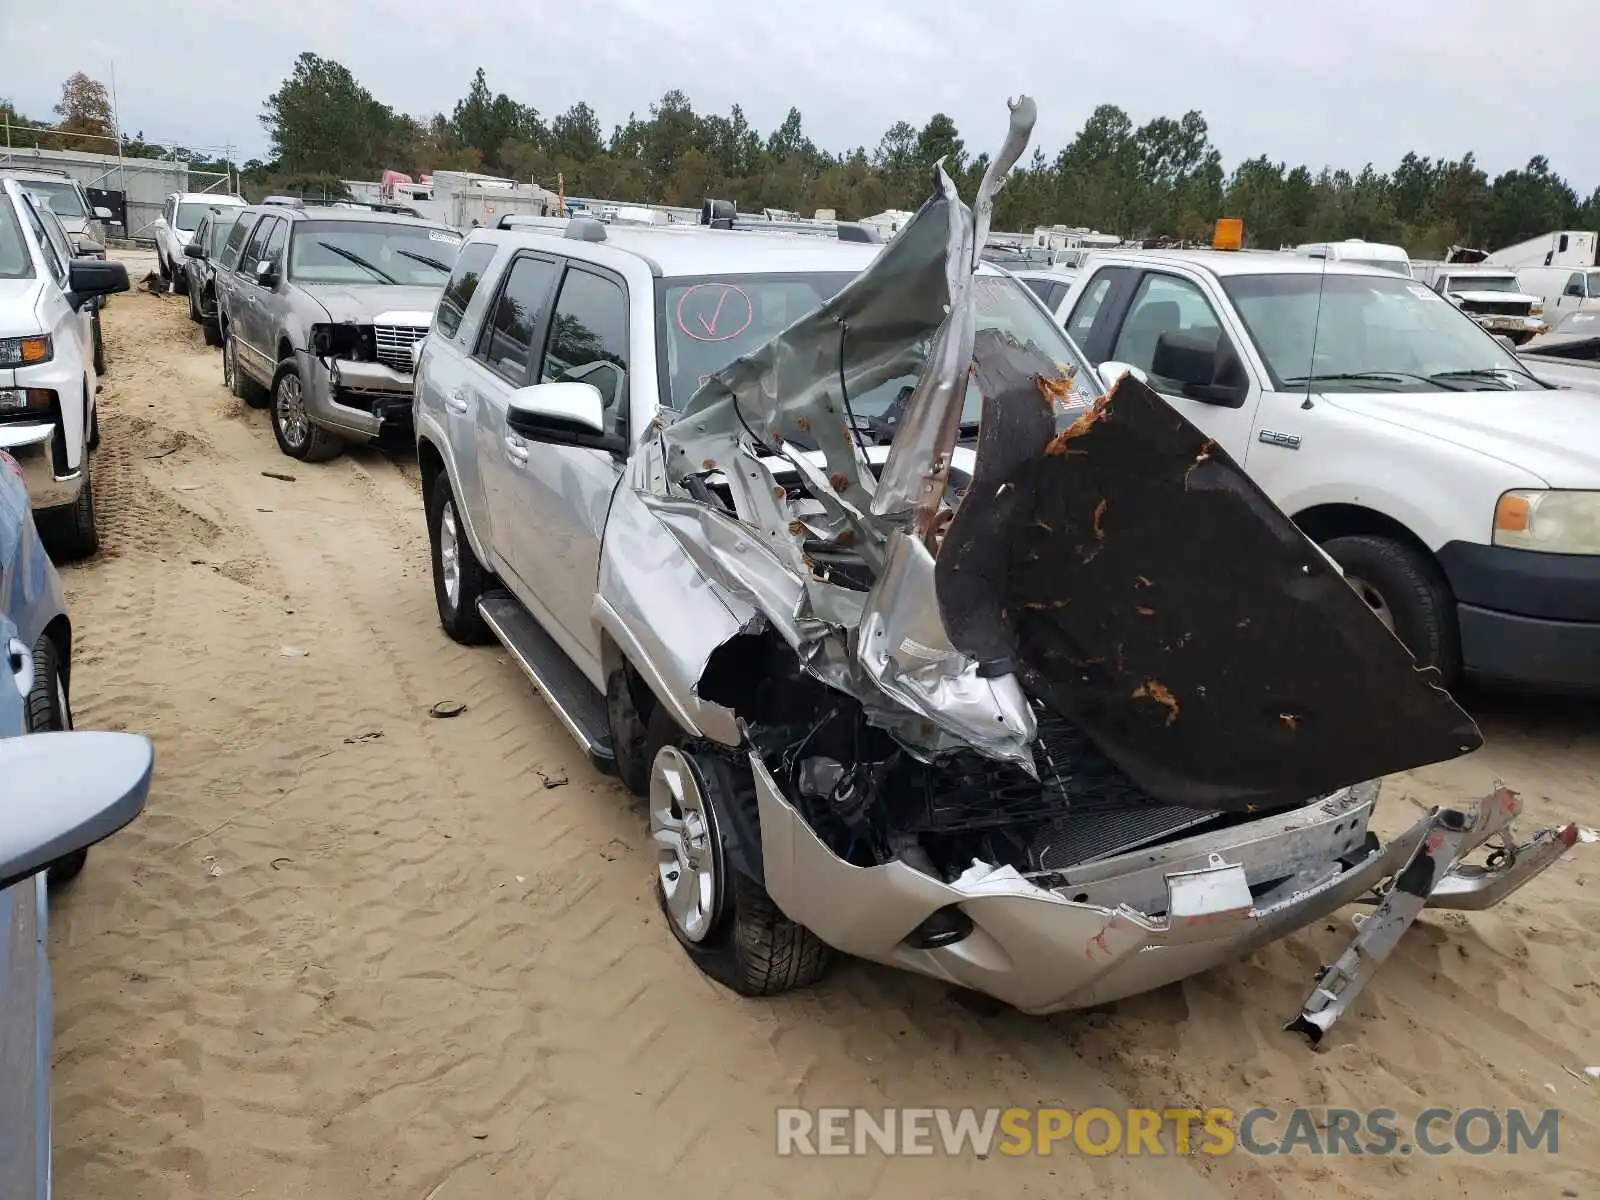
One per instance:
[(190, 214), (15, 261), (709, 322), (385, 252), (221, 225), (1376, 334), (1484, 283), (63, 197)]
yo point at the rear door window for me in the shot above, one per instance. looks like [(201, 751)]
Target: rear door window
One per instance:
[(235, 243), (458, 293), (507, 345)]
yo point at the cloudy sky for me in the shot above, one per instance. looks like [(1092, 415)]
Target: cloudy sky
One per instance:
[(1336, 82)]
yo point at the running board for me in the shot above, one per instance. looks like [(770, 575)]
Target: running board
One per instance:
[(565, 688)]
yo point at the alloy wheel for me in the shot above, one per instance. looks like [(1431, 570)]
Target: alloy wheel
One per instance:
[(683, 832)]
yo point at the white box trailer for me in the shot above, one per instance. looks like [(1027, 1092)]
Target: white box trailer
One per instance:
[(1560, 248)]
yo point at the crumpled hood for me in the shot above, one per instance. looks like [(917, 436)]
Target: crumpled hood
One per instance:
[(1104, 563), (360, 303), (1549, 434)]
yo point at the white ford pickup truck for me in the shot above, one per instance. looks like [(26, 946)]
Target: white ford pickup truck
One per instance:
[(1460, 494)]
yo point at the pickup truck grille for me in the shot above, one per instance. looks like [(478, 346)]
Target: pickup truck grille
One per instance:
[(1497, 308), (393, 344)]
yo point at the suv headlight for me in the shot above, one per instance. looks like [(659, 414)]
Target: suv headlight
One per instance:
[(25, 351), (1565, 522)]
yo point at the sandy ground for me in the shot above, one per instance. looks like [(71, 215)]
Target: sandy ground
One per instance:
[(351, 950)]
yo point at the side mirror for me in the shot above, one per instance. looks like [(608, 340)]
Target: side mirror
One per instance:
[(1111, 371), (562, 414), (1506, 342), (267, 274), (67, 791), (103, 213), (91, 277), (1202, 365), (194, 250)]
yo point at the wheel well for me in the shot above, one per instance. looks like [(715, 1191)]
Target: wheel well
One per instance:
[(285, 349), (431, 463), (640, 694), (59, 631), (1327, 521)]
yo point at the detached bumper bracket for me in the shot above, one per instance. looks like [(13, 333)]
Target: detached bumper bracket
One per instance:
[(1433, 876)]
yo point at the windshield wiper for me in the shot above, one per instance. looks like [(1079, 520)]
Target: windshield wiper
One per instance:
[(359, 261), (424, 259), (1371, 377), (1497, 374)]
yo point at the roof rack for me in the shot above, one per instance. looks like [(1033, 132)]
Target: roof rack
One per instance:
[(724, 214)]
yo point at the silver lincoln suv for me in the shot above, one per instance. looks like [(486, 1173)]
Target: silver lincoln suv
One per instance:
[(318, 309)]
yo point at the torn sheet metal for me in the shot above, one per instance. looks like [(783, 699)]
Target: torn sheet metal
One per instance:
[(911, 311), (1151, 593)]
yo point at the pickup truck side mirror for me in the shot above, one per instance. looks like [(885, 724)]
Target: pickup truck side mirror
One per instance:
[(266, 273), (194, 250), (102, 213), (91, 277), (562, 414), (1505, 342), (1203, 365), (71, 790)]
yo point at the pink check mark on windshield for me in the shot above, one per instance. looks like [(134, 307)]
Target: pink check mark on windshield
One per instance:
[(711, 326)]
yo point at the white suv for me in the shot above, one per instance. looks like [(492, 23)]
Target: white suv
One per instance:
[(180, 217), (47, 370)]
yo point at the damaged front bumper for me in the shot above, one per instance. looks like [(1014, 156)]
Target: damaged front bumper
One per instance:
[(367, 401), (1079, 939)]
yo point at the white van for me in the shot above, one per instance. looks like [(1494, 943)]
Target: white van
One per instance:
[(1360, 253)]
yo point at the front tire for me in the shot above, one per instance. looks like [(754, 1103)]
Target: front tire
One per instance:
[(459, 578), (48, 711), (1407, 592), (721, 917), (298, 436), (235, 380), (70, 533), (194, 309)]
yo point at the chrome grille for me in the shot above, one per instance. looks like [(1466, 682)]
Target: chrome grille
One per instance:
[(393, 344)]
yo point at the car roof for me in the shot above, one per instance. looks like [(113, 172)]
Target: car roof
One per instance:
[(209, 198), (687, 250), (1241, 262), (317, 212), (39, 174)]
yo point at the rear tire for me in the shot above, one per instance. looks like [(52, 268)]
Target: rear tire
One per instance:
[(69, 533), (48, 711), (459, 579), (721, 917), (211, 333), (194, 309), (180, 281), (1408, 592)]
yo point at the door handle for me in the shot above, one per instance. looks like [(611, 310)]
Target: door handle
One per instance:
[(516, 450), (456, 400)]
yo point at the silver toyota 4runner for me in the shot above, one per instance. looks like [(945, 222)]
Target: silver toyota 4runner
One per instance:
[(921, 645), (318, 309)]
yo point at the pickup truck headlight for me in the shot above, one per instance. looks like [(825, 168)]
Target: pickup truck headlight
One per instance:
[(25, 351), (1536, 309), (1565, 522)]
